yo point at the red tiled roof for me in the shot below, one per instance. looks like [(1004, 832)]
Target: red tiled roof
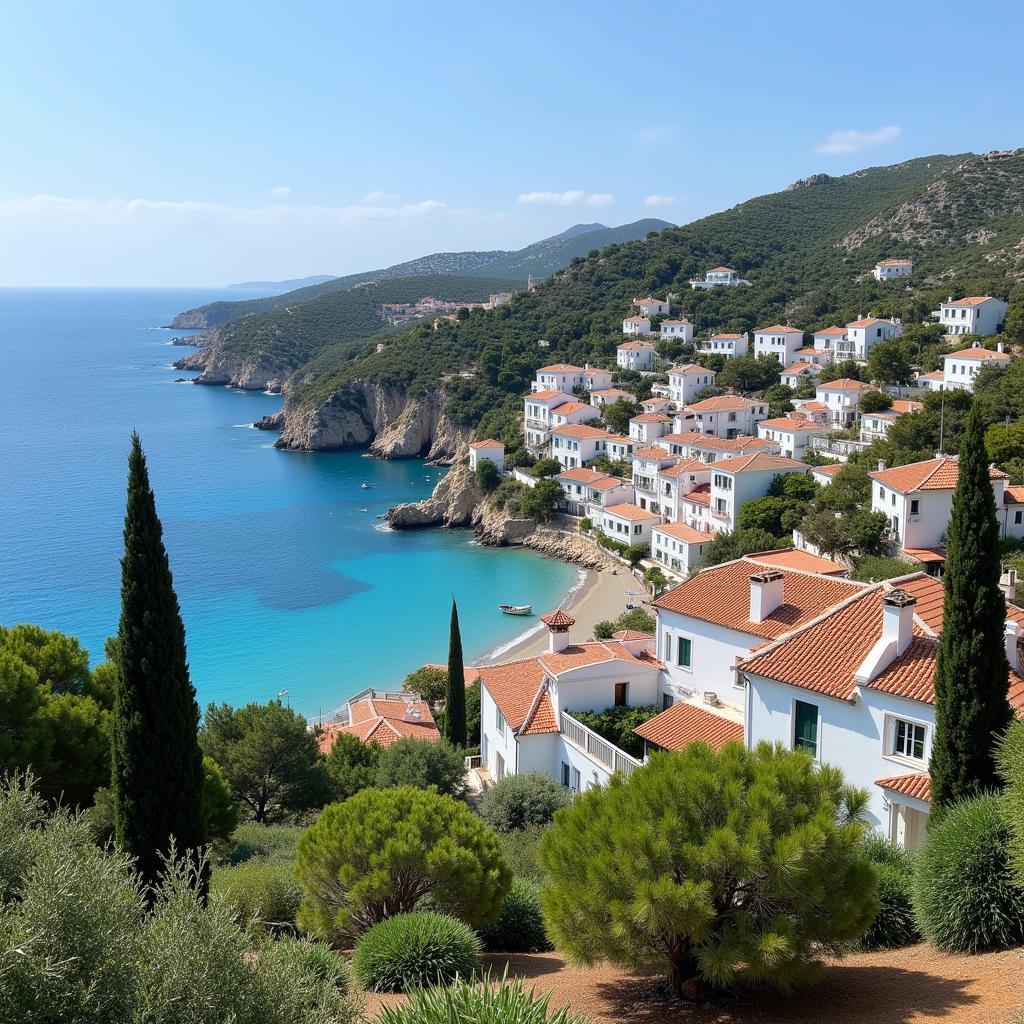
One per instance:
[(690, 368), (814, 406), (647, 301), (931, 475), (904, 405), (778, 329), (725, 337), (558, 618), (794, 558), (630, 345), (685, 533), (700, 495), (543, 396), (651, 417), (469, 674), (721, 595), (832, 332), (612, 391), (582, 476), (561, 368), (631, 634), (934, 375), (843, 384), (686, 466), (720, 402), (789, 423), (571, 407), (758, 462), (374, 720), (721, 270), (829, 470), (800, 368), (596, 652), (868, 321), (652, 451), (917, 786), (682, 724), (892, 262), (979, 353), (968, 300), (926, 556), (580, 430), (513, 687), (1014, 495), (632, 512), (488, 443)]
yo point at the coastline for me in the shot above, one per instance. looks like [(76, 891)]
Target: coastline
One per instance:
[(600, 596)]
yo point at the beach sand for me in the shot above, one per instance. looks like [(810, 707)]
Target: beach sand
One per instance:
[(601, 596)]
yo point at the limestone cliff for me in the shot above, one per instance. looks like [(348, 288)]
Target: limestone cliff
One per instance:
[(218, 366), (452, 503), (191, 319)]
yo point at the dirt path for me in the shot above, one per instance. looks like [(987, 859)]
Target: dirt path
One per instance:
[(909, 986)]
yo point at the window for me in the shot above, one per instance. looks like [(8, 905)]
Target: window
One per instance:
[(805, 727), (574, 785), (621, 693), (915, 506), (1018, 518), (908, 740), (499, 721), (667, 700), (684, 652)]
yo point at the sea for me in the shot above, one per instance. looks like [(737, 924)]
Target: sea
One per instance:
[(290, 583)]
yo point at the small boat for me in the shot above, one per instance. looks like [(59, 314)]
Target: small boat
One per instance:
[(365, 486), (364, 510), (516, 609)]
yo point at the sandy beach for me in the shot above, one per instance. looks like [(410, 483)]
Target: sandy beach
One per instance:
[(601, 596)]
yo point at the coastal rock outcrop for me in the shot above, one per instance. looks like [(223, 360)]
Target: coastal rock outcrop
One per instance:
[(452, 504), (219, 367), (274, 421), (191, 319)]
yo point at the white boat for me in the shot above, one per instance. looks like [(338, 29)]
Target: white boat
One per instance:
[(516, 609), (365, 486)]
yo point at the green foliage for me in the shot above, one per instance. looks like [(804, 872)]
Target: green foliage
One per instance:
[(381, 851), (352, 764), (727, 546), (971, 673), (875, 401), (60, 664), (616, 725), (263, 894), (521, 851), (795, 486), (430, 682), (473, 713), (424, 764), (1004, 443), (504, 1002), (544, 468), (778, 397), (269, 758), (220, 812), (270, 844), (894, 925), (156, 763), (486, 476), (748, 373), (1010, 759), (888, 364), (843, 369), (618, 414), (415, 950), (775, 516), (520, 925), (541, 501), (634, 619), (455, 697), (668, 868), (875, 568), (965, 895), (655, 579), (518, 801)]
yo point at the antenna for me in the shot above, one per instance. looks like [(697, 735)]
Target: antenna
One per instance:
[(942, 420)]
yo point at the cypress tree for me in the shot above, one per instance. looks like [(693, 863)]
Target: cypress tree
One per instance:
[(455, 705), (971, 675), (157, 766)]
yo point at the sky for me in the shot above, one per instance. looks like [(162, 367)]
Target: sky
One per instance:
[(183, 143)]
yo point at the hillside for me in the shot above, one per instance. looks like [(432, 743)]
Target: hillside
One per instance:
[(261, 351), (277, 287), (540, 259), (808, 251)]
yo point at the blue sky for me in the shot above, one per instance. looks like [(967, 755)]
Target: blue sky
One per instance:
[(184, 143)]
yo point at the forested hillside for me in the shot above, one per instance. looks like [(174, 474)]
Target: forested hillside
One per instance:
[(808, 250)]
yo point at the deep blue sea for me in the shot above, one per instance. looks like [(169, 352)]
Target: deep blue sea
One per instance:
[(285, 583)]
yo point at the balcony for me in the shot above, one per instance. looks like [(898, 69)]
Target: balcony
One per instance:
[(644, 483), (595, 747), (835, 446), (536, 424)]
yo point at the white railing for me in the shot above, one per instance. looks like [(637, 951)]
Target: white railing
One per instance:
[(596, 747), (473, 761)]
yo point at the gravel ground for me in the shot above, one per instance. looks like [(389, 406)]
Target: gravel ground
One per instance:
[(910, 986)]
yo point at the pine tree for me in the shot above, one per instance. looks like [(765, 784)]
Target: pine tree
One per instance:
[(157, 766), (971, 675), (455, 705)]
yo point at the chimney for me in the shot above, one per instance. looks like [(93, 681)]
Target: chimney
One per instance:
[(881, 465), (1008, 584), (1010, 634), (1000, 347), (898, 619), (765, 594), (558, 624)]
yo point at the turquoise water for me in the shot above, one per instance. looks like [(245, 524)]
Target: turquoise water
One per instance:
[(284, 583)]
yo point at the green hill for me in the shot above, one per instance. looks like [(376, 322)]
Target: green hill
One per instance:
[(808, 250)]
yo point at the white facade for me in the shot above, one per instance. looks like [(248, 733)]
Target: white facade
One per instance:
[(778, 341), (795, 374), (651, 306), (734, 482), (559, 377), (828, 339), (676, 330), (719, 277), (891, 269), (960, 368), (792, 433), (975, 314), (648, 427), (648, 462), (722, 416), (489, 449), (842, 398), (675, 482), (688, 380), (573, 412), (729, 346), (636, 325), (678, 548), (629, 524), (576, 444), (863, 335), (609, 396), (635, 355), (595, 379), (537, 417), (587, 491)]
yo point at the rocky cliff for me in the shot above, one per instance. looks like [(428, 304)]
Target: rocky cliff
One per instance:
[(220, 367), (191, 319), (385, 419), (452, 503)]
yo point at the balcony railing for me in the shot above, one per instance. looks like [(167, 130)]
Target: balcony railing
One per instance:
[(596, 747), (836, 446)]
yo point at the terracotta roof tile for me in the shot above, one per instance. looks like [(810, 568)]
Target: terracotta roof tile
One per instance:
[(373, 720), (513, 687), (690, 368), (721, 270), (794, 558), (700, 495), (543, 396), (843, 384), (581, 475), (778, 329), (801, 368), (631, 512), (721, 402), (917, 786), (685, 533), (561, 368), (651, 417), (868, 321), (892, 262), (968, 300), (488, 443), (682, 724), (580, 430), (653, 451), (931, 475), (832, 332), (684, 467), (758, 462), (789, 423), (630, 346), (979, 353), (726, 337), (829, 470), (631, 634), (558, 618)]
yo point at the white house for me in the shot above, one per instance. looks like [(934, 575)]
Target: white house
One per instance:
[(649, 426), (719, 277), (917, 499), (863, 335), (890, 269), (792, 432), (489, 449), (526, 706), (842, 398), (588, 490), (656, 403), (828, 339), (636, 325), (779, 341), (679, 548), (707, 448), (933, 381), (824, 475), (722, 415), (736, 481), (538, 407), (609, 396), (648, 462), (874, 426), (635, 355), (676, 330), (559, 377), (594, 378), (796, 373), (729, 346), (974, 314), (628, 523), (855, 689), (576, 444), (677, 480), (619, 448), (687, 380), (651, 306), (574, 412), (960, 368)]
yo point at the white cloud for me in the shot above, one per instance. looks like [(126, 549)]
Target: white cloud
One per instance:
[(659, 200), (281, 190), (573, 197), (380, 197), (852, 141)]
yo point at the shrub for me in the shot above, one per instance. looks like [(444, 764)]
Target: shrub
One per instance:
[(486, 476), (506, 1002), (716, 865), (520, 925), (415, 951), (268, 843), (520, 800), (521, 851), (1010, 759), (616, 725), (381, 851), (352, 764), (586, 524), (429, 681), (635, 619), (422, 763), (259, 893), (894, 925), (965, 896)]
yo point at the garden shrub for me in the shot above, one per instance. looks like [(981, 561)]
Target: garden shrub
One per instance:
[(422, 763), (616, 725), (965, 896), (520, 925), (517, 801), (521, 851), (270, 843), (415, 951), (505, 1002), (261, 893), (894, 925)]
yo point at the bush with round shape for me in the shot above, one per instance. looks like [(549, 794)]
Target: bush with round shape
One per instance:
[(504, 1002), (965, 896), (415, 950), (255, 841), (264, 894), (520, 925), (382, 850), (422, 763), (894, 925), (518, 801)]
